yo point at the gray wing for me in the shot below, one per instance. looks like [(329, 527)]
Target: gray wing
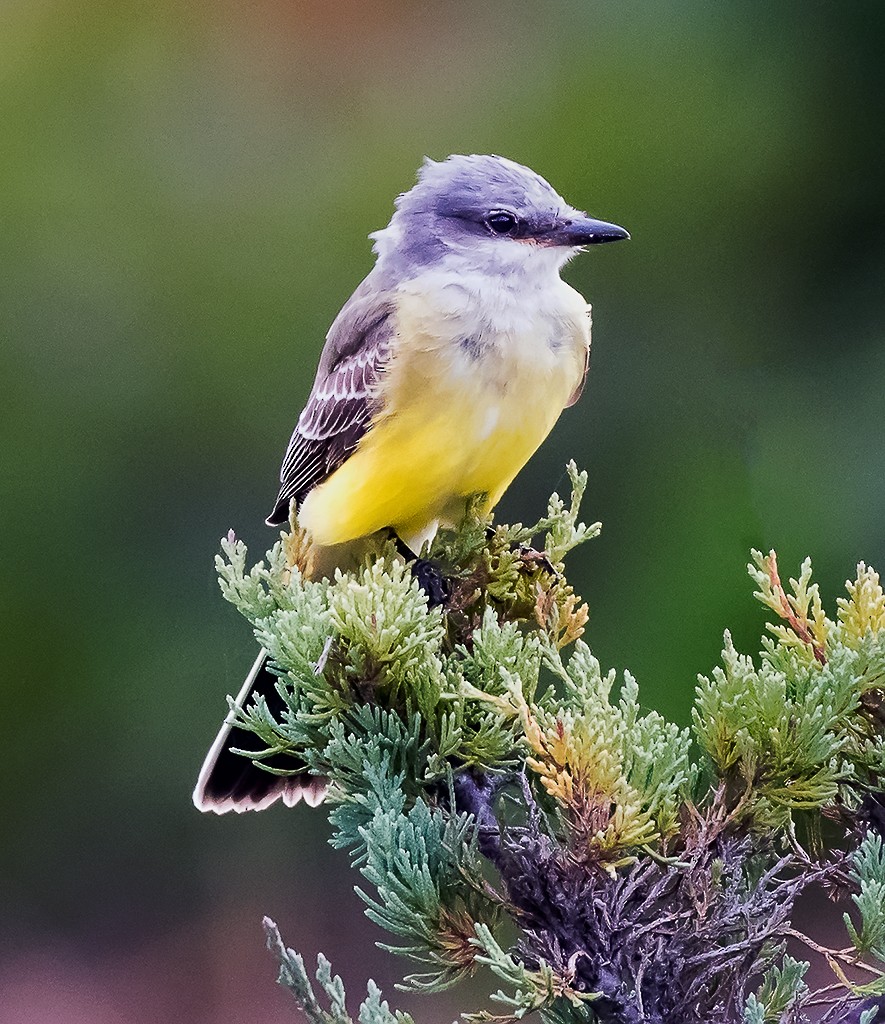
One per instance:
[(342, 403), (579, 390)]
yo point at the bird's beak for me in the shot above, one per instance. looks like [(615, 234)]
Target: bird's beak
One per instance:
[(580, 230)]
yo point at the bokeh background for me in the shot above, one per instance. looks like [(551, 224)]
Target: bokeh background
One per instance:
[(185, 194)]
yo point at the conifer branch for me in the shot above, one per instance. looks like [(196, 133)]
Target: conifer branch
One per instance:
[(487, 772)]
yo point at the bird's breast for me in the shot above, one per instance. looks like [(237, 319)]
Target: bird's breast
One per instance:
[(479, 337), (478, 379)]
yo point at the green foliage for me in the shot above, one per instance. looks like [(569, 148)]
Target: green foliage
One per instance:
[(482, 776), (427, 874), (618, 777), (868, 872), (387, 640), (542, 990), (652, 754), (479, 675), (798, 731), (562, 526), (774, 731), (781, 989), (294, 977)]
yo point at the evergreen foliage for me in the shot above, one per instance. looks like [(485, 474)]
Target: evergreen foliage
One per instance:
[(484, 769)]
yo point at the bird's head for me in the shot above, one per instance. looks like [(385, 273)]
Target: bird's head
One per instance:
[(485, 214)]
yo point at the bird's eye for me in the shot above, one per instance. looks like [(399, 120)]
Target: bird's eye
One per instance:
[(502, 223)]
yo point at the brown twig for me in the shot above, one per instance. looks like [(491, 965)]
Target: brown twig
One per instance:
[(787, 612)]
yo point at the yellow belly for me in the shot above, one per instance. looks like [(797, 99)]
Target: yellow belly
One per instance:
[(451, 426)]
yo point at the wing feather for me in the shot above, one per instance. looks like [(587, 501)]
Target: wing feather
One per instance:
[(579, 389), (343, 401)]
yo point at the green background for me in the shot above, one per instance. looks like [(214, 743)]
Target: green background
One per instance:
[(185, 194)]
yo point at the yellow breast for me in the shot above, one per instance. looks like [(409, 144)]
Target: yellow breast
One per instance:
[(472, 389)]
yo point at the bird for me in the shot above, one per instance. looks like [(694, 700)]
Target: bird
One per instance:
[(442, 374)]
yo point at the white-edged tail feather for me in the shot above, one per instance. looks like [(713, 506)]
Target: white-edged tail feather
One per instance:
[(231, 782)]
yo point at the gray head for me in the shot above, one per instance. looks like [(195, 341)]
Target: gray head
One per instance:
[(485, 214)]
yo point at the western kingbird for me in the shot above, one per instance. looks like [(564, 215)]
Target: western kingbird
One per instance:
[(442, 374)]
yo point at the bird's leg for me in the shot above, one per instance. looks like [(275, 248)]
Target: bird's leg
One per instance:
[(428, 575), (530, 556)]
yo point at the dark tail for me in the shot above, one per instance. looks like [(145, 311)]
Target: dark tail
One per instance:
[(231, 782)]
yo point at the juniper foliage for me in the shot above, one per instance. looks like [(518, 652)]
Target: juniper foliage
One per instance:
[(650, 872)]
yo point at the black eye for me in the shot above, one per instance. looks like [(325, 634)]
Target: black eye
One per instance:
[(502, 223)]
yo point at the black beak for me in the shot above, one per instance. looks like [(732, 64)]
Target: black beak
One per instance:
[(575, 231)]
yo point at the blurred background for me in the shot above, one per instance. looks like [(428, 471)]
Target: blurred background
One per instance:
[(186, 193)]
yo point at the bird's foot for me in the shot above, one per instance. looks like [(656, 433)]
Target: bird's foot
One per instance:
[(532, 557), (432, 582), (428, 574)]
